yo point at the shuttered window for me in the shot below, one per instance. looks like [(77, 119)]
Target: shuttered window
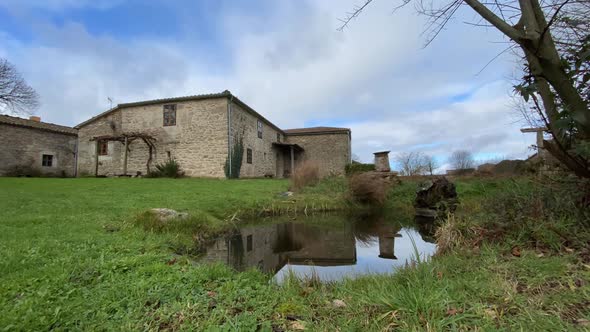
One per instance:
[(249, 156), (103, 148), (170, 115)]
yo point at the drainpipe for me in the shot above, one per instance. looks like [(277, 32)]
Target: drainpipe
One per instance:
[(229, 147)]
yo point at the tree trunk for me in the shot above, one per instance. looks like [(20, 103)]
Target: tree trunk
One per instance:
[(533, 34)]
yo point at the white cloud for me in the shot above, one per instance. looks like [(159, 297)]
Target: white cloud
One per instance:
[(292, 66), (481, 124)]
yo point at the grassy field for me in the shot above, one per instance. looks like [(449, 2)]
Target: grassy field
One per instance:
[(73, 258)]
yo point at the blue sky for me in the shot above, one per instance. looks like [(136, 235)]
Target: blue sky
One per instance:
[(284, 58)]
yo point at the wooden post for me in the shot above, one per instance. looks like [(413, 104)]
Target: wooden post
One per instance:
[(540, 149), (125, 158), (96, 158), (292, 160)]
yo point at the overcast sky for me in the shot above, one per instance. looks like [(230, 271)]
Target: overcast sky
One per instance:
[(285, 58)]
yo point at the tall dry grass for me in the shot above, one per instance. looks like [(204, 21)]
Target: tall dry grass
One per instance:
[(448, 235), (369, 188), (306, 174)]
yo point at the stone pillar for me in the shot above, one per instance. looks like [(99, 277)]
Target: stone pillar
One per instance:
[(541, 152), (382, 161), (386, 247)]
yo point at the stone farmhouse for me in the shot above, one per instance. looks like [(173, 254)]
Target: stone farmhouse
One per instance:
[(200, 132), (31, 147)]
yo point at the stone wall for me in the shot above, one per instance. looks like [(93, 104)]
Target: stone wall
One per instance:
[(109, 164), (330, 150), (25, 147), (198, 141), (264, 155)]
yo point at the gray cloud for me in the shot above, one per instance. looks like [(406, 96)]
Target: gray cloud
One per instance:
[(294, 67)]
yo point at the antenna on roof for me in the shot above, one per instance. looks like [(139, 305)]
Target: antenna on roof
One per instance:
[(111, 103)]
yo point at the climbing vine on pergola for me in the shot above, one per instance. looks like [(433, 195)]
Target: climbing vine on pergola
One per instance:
[(126, 139)]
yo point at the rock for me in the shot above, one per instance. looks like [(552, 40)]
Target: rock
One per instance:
[(164, 214), (436, 198), (297, 325), (338, 304)]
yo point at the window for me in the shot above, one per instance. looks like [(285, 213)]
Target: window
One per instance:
[(259, 125), (47, 160), (249, 156), (278, 137), (103, 148), (170, 115), (249, 243)]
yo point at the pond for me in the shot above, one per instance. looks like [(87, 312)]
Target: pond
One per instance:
[(328, 247)]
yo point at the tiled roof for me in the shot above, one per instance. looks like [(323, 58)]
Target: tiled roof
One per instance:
[(14, 121), (316, 130), (225, 93)]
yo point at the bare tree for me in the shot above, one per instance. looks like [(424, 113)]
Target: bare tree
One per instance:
[(555, 79), (430, 164), (355, 158), (462, 159), (411, 163), (16, 96)]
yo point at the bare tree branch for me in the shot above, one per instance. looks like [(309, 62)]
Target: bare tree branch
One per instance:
[(16, 96)]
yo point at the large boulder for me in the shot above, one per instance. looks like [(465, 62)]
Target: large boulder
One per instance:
[(436, 198)]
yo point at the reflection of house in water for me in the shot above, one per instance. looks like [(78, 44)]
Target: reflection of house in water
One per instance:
[(270, 247)]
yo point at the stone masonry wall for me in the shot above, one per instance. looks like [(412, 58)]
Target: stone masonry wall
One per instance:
[(330, 150), (198, 141), (264, 155), (110, 164), (26, 146)]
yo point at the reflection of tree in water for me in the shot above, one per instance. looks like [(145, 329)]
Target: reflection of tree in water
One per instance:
[(235, 243), (367, 226), (285, 241)]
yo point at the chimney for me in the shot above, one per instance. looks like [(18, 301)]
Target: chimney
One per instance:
[(35, 118), (382, 161)]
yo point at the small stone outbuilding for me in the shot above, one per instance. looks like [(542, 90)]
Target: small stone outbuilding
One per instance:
[(32, 148)]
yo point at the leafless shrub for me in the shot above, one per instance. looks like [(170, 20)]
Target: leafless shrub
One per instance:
[(369, 188), (412, 163), (16, 96), (306, 174), (462, 159)]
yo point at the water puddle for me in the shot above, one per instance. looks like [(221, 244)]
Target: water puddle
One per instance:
[(331, 247)]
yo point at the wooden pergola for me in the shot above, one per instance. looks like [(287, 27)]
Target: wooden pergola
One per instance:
[(125, 139)]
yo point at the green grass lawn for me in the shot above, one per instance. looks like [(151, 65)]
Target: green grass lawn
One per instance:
[(73, 259)]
